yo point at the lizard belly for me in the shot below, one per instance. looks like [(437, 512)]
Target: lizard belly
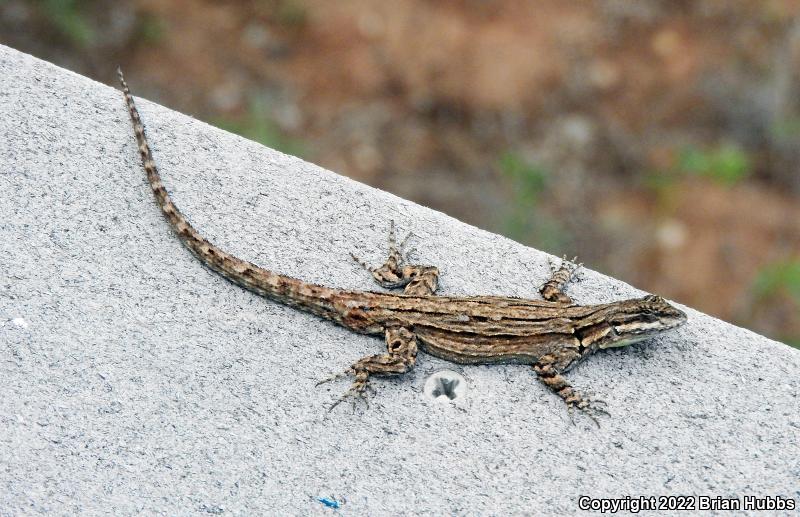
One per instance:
[(468, 348)]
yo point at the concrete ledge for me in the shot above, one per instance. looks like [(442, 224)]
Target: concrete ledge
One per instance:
[(134, 380)]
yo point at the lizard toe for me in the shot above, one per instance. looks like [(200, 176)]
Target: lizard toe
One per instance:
[(589, 407), (358, 390), (335, 376)]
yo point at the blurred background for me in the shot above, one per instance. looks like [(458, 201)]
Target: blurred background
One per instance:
[(658, 140)]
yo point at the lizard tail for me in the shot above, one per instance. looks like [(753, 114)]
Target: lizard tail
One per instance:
[(291, 291)]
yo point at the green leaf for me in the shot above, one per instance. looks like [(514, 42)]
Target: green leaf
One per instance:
[(529, 180), (778, 277), (69, 19), (727, 164), (256, 125)]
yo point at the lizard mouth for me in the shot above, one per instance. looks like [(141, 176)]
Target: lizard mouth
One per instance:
[(624, 334), (618, 341), (607, 335)]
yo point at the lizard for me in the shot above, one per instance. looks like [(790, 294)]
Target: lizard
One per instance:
[(552, 335)]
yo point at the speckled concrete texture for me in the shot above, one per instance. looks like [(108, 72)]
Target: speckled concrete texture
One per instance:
[(134, 380)]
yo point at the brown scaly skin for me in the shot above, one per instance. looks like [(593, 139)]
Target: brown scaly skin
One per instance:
[(551, 335)]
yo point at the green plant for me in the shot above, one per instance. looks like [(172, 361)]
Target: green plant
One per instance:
[(528, 179), (256, 125), (69, 18), (287, 13), (660, 181), (152, 28), (523, 220), (727, 163), (779, 277), (786, 128), (291, 14)]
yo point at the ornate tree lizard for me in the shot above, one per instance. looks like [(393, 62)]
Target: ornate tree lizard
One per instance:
[(551, 335)]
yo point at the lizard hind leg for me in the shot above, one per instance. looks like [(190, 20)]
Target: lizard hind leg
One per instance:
[(396, 273), (553, 289), (400, 357)]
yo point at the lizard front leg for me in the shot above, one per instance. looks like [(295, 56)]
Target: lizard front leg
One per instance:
[(401, 356), (553, 289), (395, 273), (549, 367)]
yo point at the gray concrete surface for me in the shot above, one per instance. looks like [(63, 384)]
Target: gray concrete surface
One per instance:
[(134, 380)]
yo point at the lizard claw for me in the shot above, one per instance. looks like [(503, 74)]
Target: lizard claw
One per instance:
[(357, 392), (569, 264), (397, 248), (396, 251), (589, 407), (360, 262), (407, 254), (335, 376), (572, 265), (551, 265)]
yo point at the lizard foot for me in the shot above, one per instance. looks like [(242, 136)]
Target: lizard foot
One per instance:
[(398, 273), (571, 265), (357, 392), (335, 376), (593, 408), (390, 274), (395, 248), (560, 276), (401, 355)]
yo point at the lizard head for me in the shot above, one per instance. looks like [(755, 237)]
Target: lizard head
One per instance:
[(637, 319)]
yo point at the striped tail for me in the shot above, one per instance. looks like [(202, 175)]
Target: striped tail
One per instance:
[(290, 291)]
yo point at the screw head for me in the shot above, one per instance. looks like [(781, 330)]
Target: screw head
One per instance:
[(445, 386)]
